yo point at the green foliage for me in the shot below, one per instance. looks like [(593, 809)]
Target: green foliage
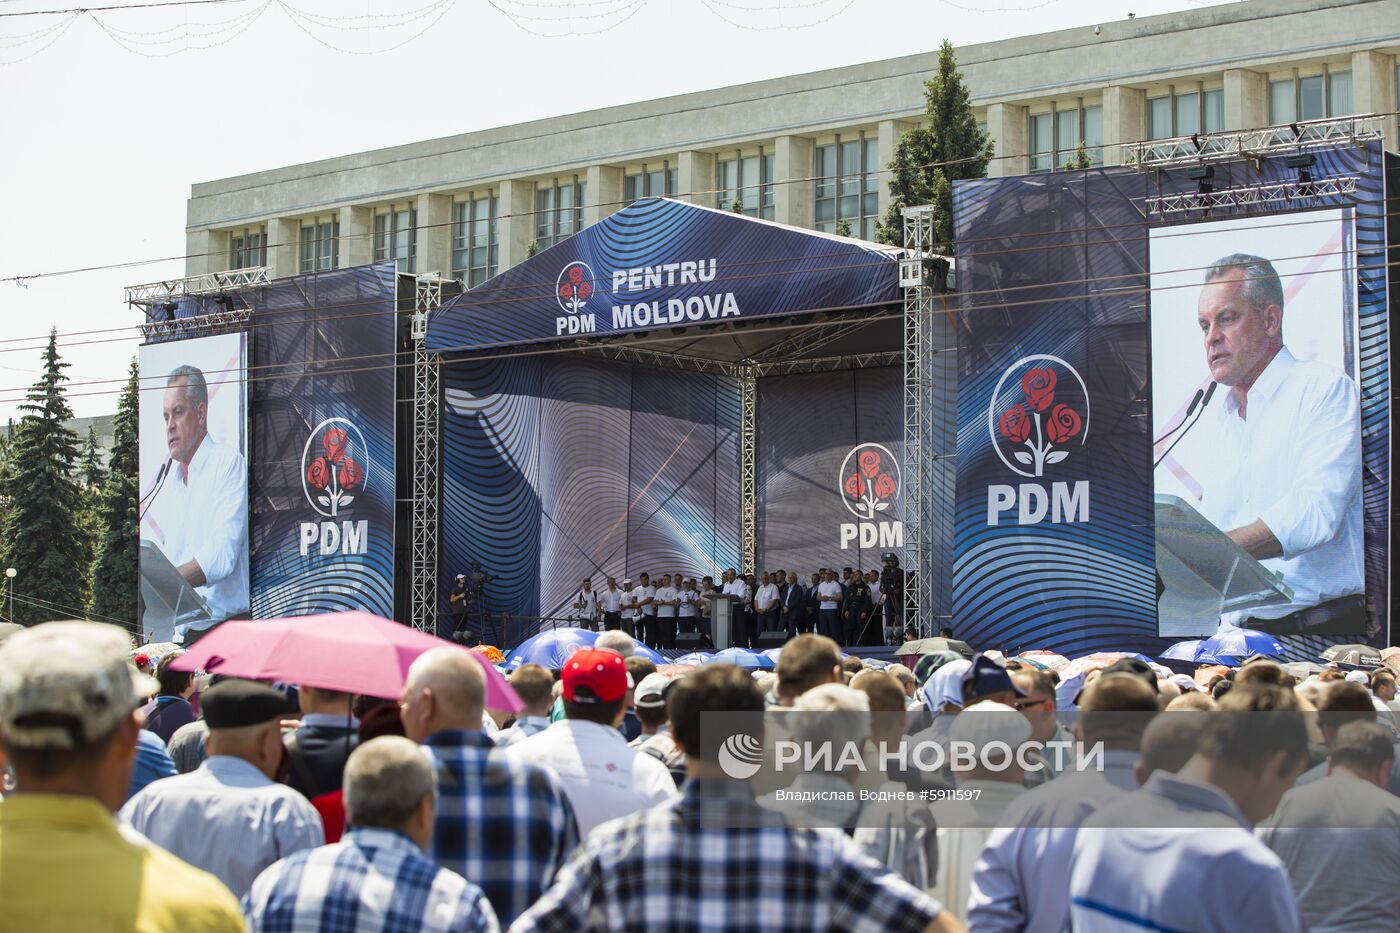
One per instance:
[(1080, 159), (41, 535), (94, 473), (114, 569), (948, 147), (843, 227)]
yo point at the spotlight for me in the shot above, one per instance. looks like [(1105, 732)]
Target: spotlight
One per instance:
[(1303, 162)]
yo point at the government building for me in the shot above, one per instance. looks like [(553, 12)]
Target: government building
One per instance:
[(808, 150)]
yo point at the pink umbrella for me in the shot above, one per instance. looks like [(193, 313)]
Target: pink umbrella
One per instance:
[(354, 652)]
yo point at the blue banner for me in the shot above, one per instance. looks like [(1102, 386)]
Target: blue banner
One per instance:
[(660, 263)]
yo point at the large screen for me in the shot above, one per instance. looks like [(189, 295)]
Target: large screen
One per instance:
[(1256, 424), (194, 485)]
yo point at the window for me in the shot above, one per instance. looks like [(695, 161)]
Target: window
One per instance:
[(652, 182), (558, 210), (1186, 113), (319, 243), (1054, 138), (396, 235), (247, 248), (848, 185), (1314, 97), (748, 180), (1041, 147), (475, 248)]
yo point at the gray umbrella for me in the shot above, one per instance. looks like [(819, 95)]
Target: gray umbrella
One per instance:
[(1355, 655), (924, 646)]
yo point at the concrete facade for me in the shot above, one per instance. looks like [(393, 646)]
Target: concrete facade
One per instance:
[(1245, 52)]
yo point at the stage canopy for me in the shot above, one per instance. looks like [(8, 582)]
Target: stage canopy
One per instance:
[(664, 270)]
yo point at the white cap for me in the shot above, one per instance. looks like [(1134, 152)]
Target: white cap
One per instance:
[(986, 722), (1358, 677)]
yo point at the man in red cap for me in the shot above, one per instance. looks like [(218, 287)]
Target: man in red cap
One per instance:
[(602, 776)]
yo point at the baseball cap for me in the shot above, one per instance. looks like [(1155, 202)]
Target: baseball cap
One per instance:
[(64, 684), (986, 677), (651, 692), (600, 674)]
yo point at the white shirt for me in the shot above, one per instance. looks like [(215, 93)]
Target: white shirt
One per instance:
[(641, 593), (689, 601), (611, 600), (203, 510), (589, 598), (766, 595), (227, 818), (664, 609), (737, 587), (602, 775), (875, 591), (828, 588), (1178, 855), (1295, 464)]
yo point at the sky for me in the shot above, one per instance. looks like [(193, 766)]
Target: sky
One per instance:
[(111, 116)]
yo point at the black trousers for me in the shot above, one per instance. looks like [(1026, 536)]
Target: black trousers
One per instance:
[(768, 621), (646, 630), (666, 632), (612, 621)]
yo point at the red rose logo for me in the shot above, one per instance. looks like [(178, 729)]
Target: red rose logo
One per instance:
[(869, 462), (885, 486), (1039, 386), (566, 290), (351, 473), (1014, 424), (855, 486), (318, 474), (1063, 424), (576, 275), (334, 441)]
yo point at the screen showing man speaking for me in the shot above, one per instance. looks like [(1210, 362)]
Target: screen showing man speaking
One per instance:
[(194, 486), (1256, 419)]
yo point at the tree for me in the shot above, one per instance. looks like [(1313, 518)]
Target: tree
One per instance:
[(948, 147), (94, 473), (843, 227), (41, 537), (118, 548), (1080, 159)]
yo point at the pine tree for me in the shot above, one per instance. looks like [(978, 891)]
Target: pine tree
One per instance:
[(94, 473), (949, 146), (114, 570), (1080, 159), (41, 536)]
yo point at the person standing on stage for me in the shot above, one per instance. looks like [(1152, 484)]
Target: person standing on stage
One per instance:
[(457, 602), (586, 606), (892, 597), (857, 609), (810, 600), (610, 602), (688, 606), (829, 607), (873, 580), (794, 610), (629, 608), (644, 603), (707, 608), (664, 632), (766, 603)]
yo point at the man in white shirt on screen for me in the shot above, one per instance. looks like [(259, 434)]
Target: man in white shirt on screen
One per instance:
[(1284, 476), (203, 501)]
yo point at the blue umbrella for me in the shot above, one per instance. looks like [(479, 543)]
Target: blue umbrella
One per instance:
[(1181, 651), (772, 653), (1232, 642), (550, 648), (651, 654), (695, 657), (743, 657)]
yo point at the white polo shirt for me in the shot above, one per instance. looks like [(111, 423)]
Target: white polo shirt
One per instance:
[(589, 612), (827, 589), (690, 600), (610, 600), (766, 594), (664, 609), (641, 593), (603, 776)]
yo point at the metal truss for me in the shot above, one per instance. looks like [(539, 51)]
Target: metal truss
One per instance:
[(829, 364), (1289, 192), (748, 469), (1269, 141), (210, 283), (809, 339), (427, 447), (226, 316), (663, 358)]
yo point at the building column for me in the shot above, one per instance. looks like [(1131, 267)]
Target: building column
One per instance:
[(433, 252), (889, 132), (1246, 99), (1124, 120), (283, 247), (604, 193), (356, 245), (695, 174), (206, 251), (1373, 90), (516, 226), (793, 198), (1006, 124)]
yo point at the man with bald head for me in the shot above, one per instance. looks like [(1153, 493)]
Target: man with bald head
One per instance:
[(1282, 448), (201, 506), (504, 825)]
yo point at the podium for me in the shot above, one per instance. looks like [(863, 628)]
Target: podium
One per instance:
[(1205, 573), (172, 605), (722, 620)]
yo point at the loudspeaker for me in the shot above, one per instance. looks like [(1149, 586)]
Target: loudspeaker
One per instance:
[(690, 641), (768, 640)]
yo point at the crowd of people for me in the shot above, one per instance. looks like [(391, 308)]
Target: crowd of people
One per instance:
[(1224, 800), (851, 606)]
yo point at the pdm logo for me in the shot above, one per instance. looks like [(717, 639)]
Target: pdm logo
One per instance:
[(868, 483), (1037, 419), (334, 472)]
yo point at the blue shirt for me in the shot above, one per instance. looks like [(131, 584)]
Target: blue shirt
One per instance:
[(372, 880), (1174, 856), (152, 762), (504, 825)]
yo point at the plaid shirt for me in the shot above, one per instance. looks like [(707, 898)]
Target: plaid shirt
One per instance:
[(714, 860), (504, 825), (375, 880)]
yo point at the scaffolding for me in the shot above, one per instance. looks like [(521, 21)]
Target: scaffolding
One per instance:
[(427, 445)]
